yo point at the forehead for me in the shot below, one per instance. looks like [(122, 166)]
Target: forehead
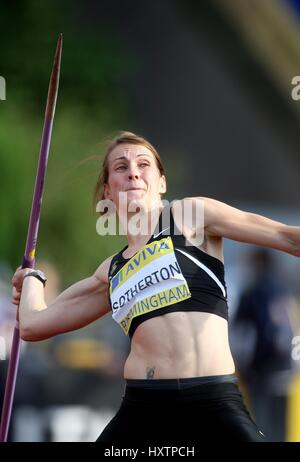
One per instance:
[(129, 151)]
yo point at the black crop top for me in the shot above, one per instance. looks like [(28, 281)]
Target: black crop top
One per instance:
[(164, 276)]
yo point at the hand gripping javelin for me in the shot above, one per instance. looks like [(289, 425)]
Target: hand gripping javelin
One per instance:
[(32, 234)]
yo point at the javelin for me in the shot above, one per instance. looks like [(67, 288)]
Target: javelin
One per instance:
[(32, 234)]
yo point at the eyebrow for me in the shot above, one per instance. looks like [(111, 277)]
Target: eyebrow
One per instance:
[(125, 158)]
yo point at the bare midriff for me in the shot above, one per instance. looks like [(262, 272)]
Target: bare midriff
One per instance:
[(180, 345)]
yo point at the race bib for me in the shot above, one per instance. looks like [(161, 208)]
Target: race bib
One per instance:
[(150, 280)]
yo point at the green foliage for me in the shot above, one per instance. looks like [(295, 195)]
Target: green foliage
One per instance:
[(90, 107)]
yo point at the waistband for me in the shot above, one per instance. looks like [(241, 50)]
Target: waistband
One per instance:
[(180, 383)]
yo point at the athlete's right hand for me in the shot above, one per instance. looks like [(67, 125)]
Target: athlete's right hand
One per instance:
[(17, 282)]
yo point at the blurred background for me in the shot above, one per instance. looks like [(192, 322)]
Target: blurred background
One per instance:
[(210, 85)]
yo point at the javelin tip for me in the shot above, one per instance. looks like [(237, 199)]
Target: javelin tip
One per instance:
[(54, 80), (57, 57)]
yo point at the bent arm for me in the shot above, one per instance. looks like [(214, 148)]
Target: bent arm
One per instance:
[(225, 221), (76, 307)]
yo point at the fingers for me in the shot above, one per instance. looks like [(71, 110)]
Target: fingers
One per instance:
[(16, 296), (17, 279), (17, 283)]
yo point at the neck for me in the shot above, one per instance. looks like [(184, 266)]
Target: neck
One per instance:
[(139, 226)]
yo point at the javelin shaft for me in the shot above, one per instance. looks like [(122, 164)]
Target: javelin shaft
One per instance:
[(32, 234)]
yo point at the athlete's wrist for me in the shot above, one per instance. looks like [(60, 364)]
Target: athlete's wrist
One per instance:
[(38, 274)]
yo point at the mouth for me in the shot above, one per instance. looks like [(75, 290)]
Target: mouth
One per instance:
[(135, 189)]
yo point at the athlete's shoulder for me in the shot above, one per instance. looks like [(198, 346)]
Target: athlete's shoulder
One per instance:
[(198, 205), (190, 212), (194, 199)]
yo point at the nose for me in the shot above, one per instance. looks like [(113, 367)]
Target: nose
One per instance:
[(133, 173)]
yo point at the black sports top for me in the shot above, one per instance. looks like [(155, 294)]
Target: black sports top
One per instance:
[(164, 276)]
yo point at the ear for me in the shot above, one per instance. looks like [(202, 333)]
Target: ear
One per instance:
[(106, 191), (163, 184)]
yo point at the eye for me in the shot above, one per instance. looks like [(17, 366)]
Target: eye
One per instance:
[(143, 164), (120, 168)]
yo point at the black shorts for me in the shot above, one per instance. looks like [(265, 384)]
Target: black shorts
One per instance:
[(181, 411)]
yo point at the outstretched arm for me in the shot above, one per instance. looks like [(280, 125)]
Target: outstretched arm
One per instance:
[(225, 221), (77, 306)]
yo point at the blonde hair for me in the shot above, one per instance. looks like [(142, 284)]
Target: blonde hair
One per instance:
[(122, 138)]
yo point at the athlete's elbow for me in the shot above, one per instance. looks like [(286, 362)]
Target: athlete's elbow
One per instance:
[(26, 334), (291, 240), (30, 333), (290, 248), (295, 251)]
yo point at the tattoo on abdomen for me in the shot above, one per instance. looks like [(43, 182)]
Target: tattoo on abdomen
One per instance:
[(150, 372)]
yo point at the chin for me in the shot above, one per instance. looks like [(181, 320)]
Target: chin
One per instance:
[(134, 203)]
